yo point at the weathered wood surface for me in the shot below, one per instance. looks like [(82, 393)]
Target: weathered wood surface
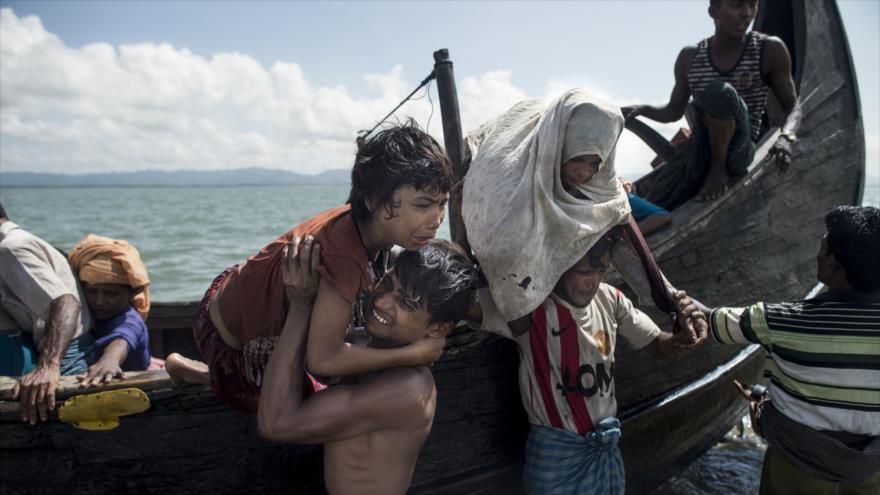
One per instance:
[(756, 243)]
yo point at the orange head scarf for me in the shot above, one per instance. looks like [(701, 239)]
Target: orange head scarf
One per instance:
[(101, 260)]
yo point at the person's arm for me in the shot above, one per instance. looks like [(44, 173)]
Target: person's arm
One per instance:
[(778, 62), (337, 413), (490, 319), (37, 388), (691, 319), (328, 354), (674, 109), (654, 223), (108, 367)]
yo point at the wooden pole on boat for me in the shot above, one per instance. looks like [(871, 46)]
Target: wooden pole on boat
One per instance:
[(452, 137)]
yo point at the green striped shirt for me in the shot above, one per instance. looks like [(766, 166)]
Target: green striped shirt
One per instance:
[(823, 366)]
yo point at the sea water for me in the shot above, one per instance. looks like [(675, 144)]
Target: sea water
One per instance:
[(188, 235)]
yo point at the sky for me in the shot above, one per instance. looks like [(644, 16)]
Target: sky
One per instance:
[(123, 86)]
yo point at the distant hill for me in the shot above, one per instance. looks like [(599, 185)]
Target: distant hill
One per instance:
[(237, 177)]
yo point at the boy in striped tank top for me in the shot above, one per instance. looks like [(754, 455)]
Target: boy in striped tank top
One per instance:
[(566, 374), (821, 414), (728, 75)]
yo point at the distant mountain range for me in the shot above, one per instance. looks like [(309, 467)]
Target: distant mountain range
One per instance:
[(236, 177)]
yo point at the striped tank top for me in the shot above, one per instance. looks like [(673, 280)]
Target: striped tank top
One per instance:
[(746, 76)]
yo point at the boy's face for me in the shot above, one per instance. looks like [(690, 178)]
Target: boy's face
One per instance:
[(579, 170), (107, 300), (417, 214), (733, 17), (580, 283), (396, 319)]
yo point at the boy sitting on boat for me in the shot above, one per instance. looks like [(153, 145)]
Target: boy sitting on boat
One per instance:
[(116, 286), (821, 415), (728, 75), (566, 374), (41, 314)]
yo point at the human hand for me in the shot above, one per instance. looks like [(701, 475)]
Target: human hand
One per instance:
[(746, 393), (299, 269), (102, 372), (782, 152), (632, 111), (691, 320), (427, 350), (628, 186), (37, 391)]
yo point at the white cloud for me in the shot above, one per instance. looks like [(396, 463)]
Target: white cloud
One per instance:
[(151, 105)]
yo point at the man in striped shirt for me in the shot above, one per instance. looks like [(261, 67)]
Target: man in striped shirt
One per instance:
[(566, 375), (728, 75), (822, 415)]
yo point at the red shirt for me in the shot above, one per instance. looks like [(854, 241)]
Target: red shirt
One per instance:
[(252, 302)]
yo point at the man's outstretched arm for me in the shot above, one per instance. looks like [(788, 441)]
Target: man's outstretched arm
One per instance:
[(674, 109)]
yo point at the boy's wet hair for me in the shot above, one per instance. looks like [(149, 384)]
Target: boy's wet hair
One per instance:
[(854, 240), (402, 155), (441, 274), (3, 212)]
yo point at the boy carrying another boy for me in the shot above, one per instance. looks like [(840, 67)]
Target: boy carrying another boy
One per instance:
[(400, 184)]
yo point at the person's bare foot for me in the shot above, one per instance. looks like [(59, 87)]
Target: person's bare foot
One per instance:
[(714, 187), (185, 370)]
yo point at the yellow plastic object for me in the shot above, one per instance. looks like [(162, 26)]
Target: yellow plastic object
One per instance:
[(102, 410)]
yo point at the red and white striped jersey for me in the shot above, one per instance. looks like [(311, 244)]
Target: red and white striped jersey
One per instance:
[(566, 370)]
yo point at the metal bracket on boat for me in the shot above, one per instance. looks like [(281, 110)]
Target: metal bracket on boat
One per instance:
[(102, 410)]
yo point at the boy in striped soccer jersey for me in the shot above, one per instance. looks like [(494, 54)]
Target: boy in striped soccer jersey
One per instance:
[(566, 374), (728, 75), (821, 416)]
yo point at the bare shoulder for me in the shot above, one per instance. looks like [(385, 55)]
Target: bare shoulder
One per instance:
[(776, 52), (686, 55)]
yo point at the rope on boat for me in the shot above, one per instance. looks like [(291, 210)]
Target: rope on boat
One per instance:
[(363, 133)]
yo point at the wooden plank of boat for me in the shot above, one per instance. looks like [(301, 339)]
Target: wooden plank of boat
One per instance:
[(757, 242)]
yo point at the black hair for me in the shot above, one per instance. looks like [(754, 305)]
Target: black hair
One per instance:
[(441, 275), (603, 246), (854, 240), (401, 155), (2, 212)]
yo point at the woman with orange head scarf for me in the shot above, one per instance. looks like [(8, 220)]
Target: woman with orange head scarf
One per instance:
[(116, 288)]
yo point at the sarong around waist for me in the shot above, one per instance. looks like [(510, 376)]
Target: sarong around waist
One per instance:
[(231, 380)]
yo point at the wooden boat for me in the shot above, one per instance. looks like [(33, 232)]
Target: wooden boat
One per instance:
[(756, 243)]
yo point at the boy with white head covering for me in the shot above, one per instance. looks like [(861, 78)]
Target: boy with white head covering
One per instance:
[(540, 198)]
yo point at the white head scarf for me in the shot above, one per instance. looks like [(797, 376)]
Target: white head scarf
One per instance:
[(525, 229)]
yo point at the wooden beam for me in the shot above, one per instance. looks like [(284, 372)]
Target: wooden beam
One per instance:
[(452, 137)]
